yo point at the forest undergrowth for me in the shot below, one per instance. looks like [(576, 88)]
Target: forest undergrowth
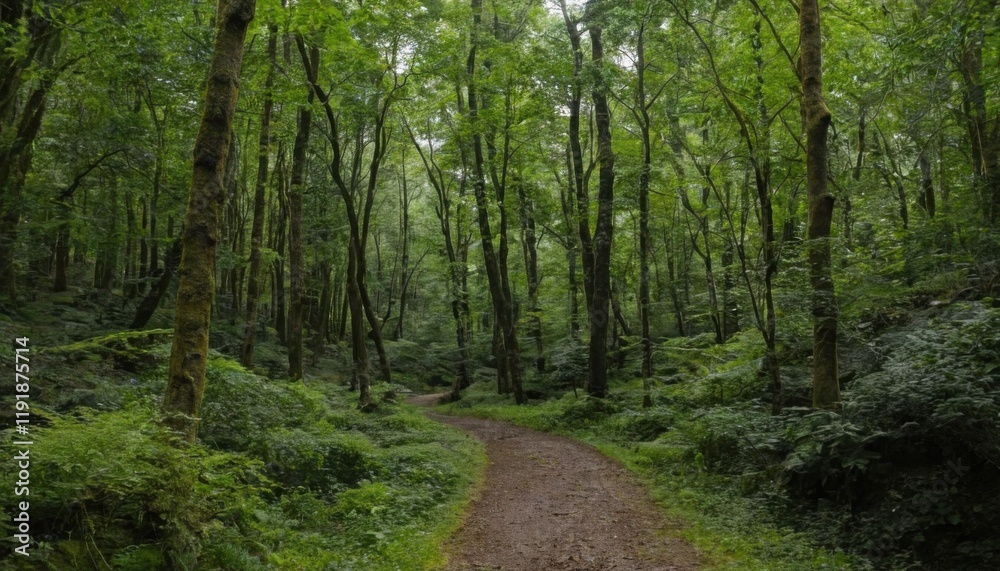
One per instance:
[(293, 476), (285, 475), (903, 477)]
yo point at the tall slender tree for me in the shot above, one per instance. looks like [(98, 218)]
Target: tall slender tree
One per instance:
[(816, 115), (259, 200), (597, 379), (502, 307), (193, 317)]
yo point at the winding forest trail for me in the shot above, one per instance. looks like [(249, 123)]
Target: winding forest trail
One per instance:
[(552, 503)]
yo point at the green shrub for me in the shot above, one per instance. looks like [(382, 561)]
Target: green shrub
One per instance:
[(116, 480), (567, 363), (139, 558), (832, 457), (938, 393), (586, 410), (240, 408), (325, 462), (641, 425)]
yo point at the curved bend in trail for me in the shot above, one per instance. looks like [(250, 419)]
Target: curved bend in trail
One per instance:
[(549, 503)]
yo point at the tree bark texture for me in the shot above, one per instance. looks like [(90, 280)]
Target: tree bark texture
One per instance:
[(296, 258), (826, 382), (189, 354)]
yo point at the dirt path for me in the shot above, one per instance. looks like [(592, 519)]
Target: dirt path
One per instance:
[(551, 503)]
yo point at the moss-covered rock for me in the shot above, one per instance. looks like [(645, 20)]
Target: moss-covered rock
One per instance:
[(128, 350)]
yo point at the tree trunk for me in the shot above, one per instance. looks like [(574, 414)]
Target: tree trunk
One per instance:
[(257, 230), (143, 247), (344, 310), (20, 126), (280, 320), (597, 379), (359, 348), (154, 201), (296, 259), (62, 248), (862, 128), (357, 295), (926, 184), (192, 322), (894, 180), (404, 230), (642, 114), (529, 244), (761, 166), (571, 242), (503, 312), (322, 317), (984, 131), (577, 174), (672, 277), (375, 329), (335, 304), (149, 304), (107, 249), (826, 382), (705, 251), (358, 225), (129, 289), (457, 257)]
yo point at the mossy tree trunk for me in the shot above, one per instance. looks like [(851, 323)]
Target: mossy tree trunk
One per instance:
[(826, 384), (189, 354)]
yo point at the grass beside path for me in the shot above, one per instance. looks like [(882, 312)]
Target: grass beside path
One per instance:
[(733, 531)]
